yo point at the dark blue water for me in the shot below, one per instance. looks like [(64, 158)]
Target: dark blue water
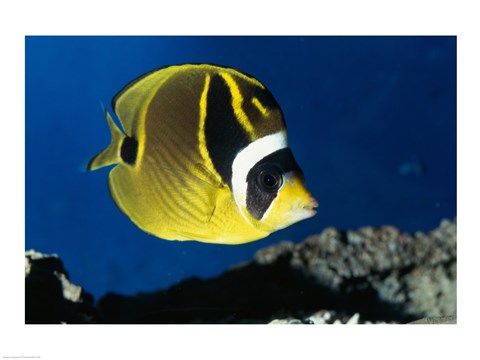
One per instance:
[(371, 120)]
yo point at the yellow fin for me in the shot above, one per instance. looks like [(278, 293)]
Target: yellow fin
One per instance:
[(111, 155)]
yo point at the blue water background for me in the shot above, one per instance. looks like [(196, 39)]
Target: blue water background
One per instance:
[(371, 121)]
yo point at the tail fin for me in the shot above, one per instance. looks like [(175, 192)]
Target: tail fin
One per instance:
[(111, 155)]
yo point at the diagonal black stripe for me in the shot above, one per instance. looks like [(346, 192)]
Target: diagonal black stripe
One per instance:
[(224, 134)]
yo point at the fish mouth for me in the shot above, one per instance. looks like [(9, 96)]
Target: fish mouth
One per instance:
[(308, 209), (312, 203), (298, 213)]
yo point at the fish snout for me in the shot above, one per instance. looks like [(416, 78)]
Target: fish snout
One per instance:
[(309, 207)]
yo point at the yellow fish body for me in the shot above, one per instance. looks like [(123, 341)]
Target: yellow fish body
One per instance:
[(203, 156)]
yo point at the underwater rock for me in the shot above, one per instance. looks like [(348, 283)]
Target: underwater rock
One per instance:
[(331, 317), (403, 274), (437, 320), (381, 274), (327, 317), (50, 297), (371, 275)]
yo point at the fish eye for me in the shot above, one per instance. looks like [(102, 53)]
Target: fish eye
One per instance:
[(270, 180)]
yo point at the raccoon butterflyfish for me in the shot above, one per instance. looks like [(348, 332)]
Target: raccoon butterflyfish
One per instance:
[(203, 156)]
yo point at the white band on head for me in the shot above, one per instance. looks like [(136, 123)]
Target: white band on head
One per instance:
[(247, 158)]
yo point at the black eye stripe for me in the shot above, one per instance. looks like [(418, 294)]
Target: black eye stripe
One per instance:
[(258, 199), (282, 159)]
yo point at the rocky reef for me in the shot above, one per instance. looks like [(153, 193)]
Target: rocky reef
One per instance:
[(370, 275), (50, 297)]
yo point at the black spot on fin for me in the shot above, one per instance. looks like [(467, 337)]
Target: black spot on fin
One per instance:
[(128, 150)]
